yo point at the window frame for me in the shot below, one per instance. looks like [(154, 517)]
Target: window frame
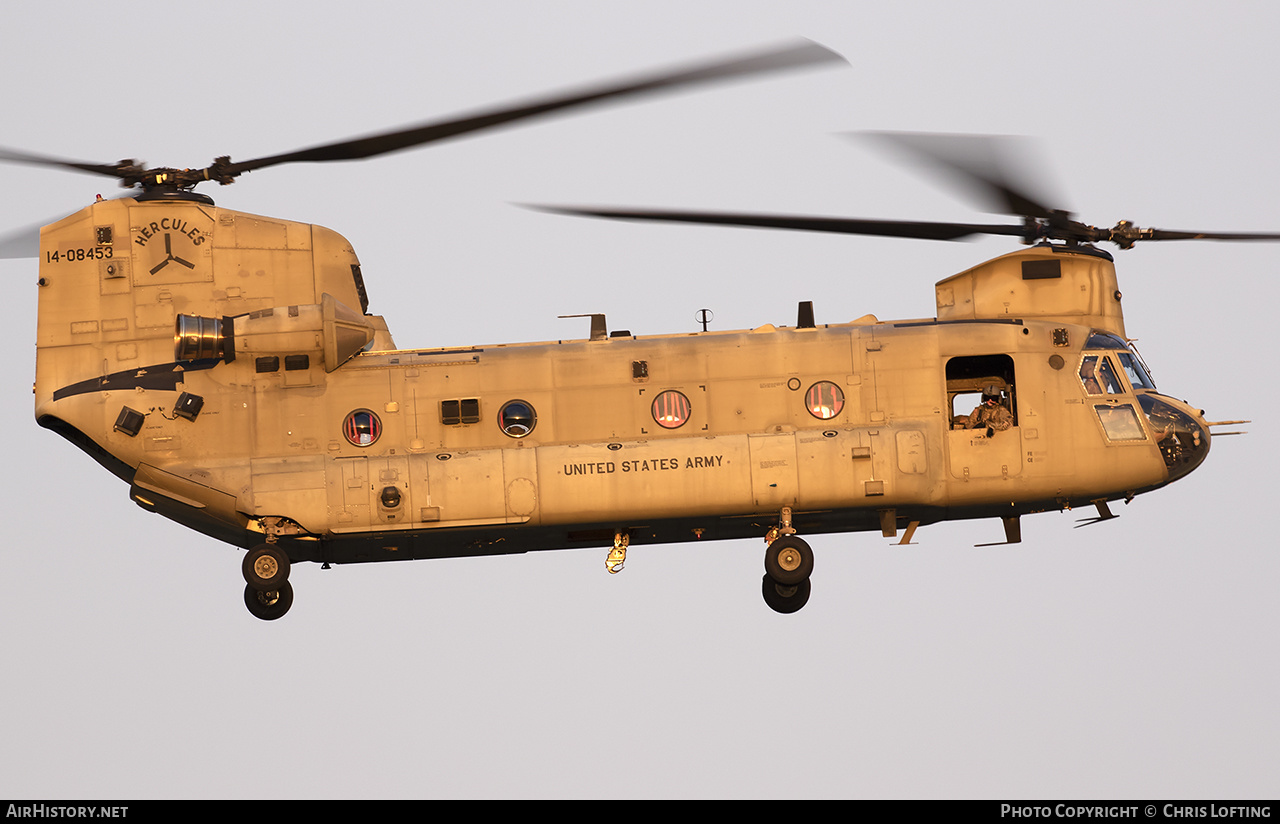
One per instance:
[(505, 427), (838, 398), (375, 428), (683, 405)]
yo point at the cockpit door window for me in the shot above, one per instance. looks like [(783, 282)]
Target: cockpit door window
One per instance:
[(1098, 376)]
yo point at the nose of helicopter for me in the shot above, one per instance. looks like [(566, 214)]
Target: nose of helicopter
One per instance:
[(1180, 430)]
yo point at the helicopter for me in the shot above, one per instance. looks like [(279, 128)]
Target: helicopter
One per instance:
[(226, 367)]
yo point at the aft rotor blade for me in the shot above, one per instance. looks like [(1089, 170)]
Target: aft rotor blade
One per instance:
[(119, 170), (788, 57), (926, 230), (21, 243)]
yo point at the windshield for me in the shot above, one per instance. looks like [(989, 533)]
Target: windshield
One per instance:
[(1129, 360), (1133, 368)]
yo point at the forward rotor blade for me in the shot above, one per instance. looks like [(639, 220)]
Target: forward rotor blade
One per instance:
[(996, 168), (788, 57), (848, 226)]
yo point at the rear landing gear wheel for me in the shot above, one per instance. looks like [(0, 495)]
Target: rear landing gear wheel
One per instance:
[(268, 605), (785, 599), (788, 560), (265, 567)]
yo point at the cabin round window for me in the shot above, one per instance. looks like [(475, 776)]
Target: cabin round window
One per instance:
[(824, 400), (362, 427), (517, 418), (671, 409)]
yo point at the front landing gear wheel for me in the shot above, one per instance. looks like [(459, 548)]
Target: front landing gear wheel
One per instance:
[(785, 599), (268, 605), (265, 567), (788, 560)]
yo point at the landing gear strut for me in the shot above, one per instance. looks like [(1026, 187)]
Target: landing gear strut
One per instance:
[(788, 563)]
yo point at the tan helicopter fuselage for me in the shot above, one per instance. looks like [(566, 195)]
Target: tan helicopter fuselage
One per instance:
[(223, 365)]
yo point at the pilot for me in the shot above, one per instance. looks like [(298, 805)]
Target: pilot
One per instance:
[(1089, 376), (992, 413), (1097, 377)]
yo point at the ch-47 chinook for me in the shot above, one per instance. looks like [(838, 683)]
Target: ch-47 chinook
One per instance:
[(226, 367)]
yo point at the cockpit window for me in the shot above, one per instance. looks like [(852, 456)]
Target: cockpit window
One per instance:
[(1133, 368), (1105, 340), (1120, 423), (1098, 376)]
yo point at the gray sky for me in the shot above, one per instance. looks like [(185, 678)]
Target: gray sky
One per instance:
[(1130, 659)]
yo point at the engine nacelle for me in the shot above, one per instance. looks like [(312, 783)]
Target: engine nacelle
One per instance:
[(329, 329)]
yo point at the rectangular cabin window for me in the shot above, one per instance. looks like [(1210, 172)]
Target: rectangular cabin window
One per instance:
[(460, 411), (1041, 269)]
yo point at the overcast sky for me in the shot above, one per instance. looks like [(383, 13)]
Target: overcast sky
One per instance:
[(1130, 659)]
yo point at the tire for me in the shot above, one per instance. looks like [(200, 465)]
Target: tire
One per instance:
[(265, 567), (788, 561), (268, 606), (785, 599)]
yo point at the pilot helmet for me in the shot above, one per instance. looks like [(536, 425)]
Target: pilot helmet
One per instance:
[(990, 392)]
